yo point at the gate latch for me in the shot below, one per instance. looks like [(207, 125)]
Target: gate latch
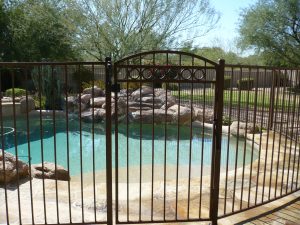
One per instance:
[(115, 87)]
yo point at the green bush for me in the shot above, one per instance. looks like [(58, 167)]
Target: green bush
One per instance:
[(170, 86), (39, 104), (49, 85), (18, 92), (98, 83), (83, 75), (226, 121), (245, 83), (131, 85), (151, 84)]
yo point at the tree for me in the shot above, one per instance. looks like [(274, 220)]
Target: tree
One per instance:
[(39, 31), (4, 31), (121, 27), (272, 28)]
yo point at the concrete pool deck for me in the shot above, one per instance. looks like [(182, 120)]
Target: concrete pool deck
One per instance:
[(265, 140)]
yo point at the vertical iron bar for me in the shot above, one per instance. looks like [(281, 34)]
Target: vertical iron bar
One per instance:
[(152, 167), (141, 146), (296, 143), (217, 141), (280, 133), (165, 143), (297, 130), (269, 126), (237, 141), (245, 142), (28, 145), (291, 138), (191, 141), (42, 142), (286, 134), (80, 146), (178, 139), (127, 148), (68, 144), (3, 152), (228, 142), (202, 146), (54, 141), (108, 71), (254, 125), (93, 141), (275, 125), (16, 145), (272, 102), (108, 85)]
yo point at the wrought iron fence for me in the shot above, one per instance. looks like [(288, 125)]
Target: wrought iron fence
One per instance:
[(155, 124)]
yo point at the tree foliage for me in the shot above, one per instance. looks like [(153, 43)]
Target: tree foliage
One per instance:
[(272, 28), (4, 31), (216, 53), (121, 27), (36, 30)]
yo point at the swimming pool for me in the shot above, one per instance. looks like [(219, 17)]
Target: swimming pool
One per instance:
[(42, 135)]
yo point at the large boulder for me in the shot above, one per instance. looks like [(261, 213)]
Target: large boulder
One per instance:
[(11, 166), (97, 102), (183, 112), (48, 171), (240, 128), (27, 105), (146, 116), (143, 91), (95, 92), (72, 102), (206, 115), (85, 98), (93, 115), (6, 99)]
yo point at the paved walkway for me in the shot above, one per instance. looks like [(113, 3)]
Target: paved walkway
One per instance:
[(287, 214)]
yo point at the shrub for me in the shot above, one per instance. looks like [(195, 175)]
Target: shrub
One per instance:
[(226, 120), (18, 92), (245, 83), (170, 86), (49, 85), (83, 75), (131, 85), (39, 104), (98, 83)]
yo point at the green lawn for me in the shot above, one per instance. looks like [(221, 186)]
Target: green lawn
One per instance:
[(237, 98)]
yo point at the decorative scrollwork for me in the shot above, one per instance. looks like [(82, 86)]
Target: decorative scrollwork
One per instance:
[(173, 73), (199, 74)]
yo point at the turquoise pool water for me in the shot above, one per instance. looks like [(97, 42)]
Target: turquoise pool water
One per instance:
[(48, 140)]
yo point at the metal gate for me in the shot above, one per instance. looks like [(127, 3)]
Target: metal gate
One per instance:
[(166, 167)]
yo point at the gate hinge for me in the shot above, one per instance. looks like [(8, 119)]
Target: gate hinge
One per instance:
[(115, 88)]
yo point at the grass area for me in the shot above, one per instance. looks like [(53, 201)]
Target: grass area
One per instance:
[(235, 98)]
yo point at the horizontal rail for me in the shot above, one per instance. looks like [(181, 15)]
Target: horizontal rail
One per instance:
[(28, 64)]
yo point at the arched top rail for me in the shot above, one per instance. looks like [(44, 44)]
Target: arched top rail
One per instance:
[(166, 57)]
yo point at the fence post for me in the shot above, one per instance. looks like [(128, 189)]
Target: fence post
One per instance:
[(108, 76), (217, 139)]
